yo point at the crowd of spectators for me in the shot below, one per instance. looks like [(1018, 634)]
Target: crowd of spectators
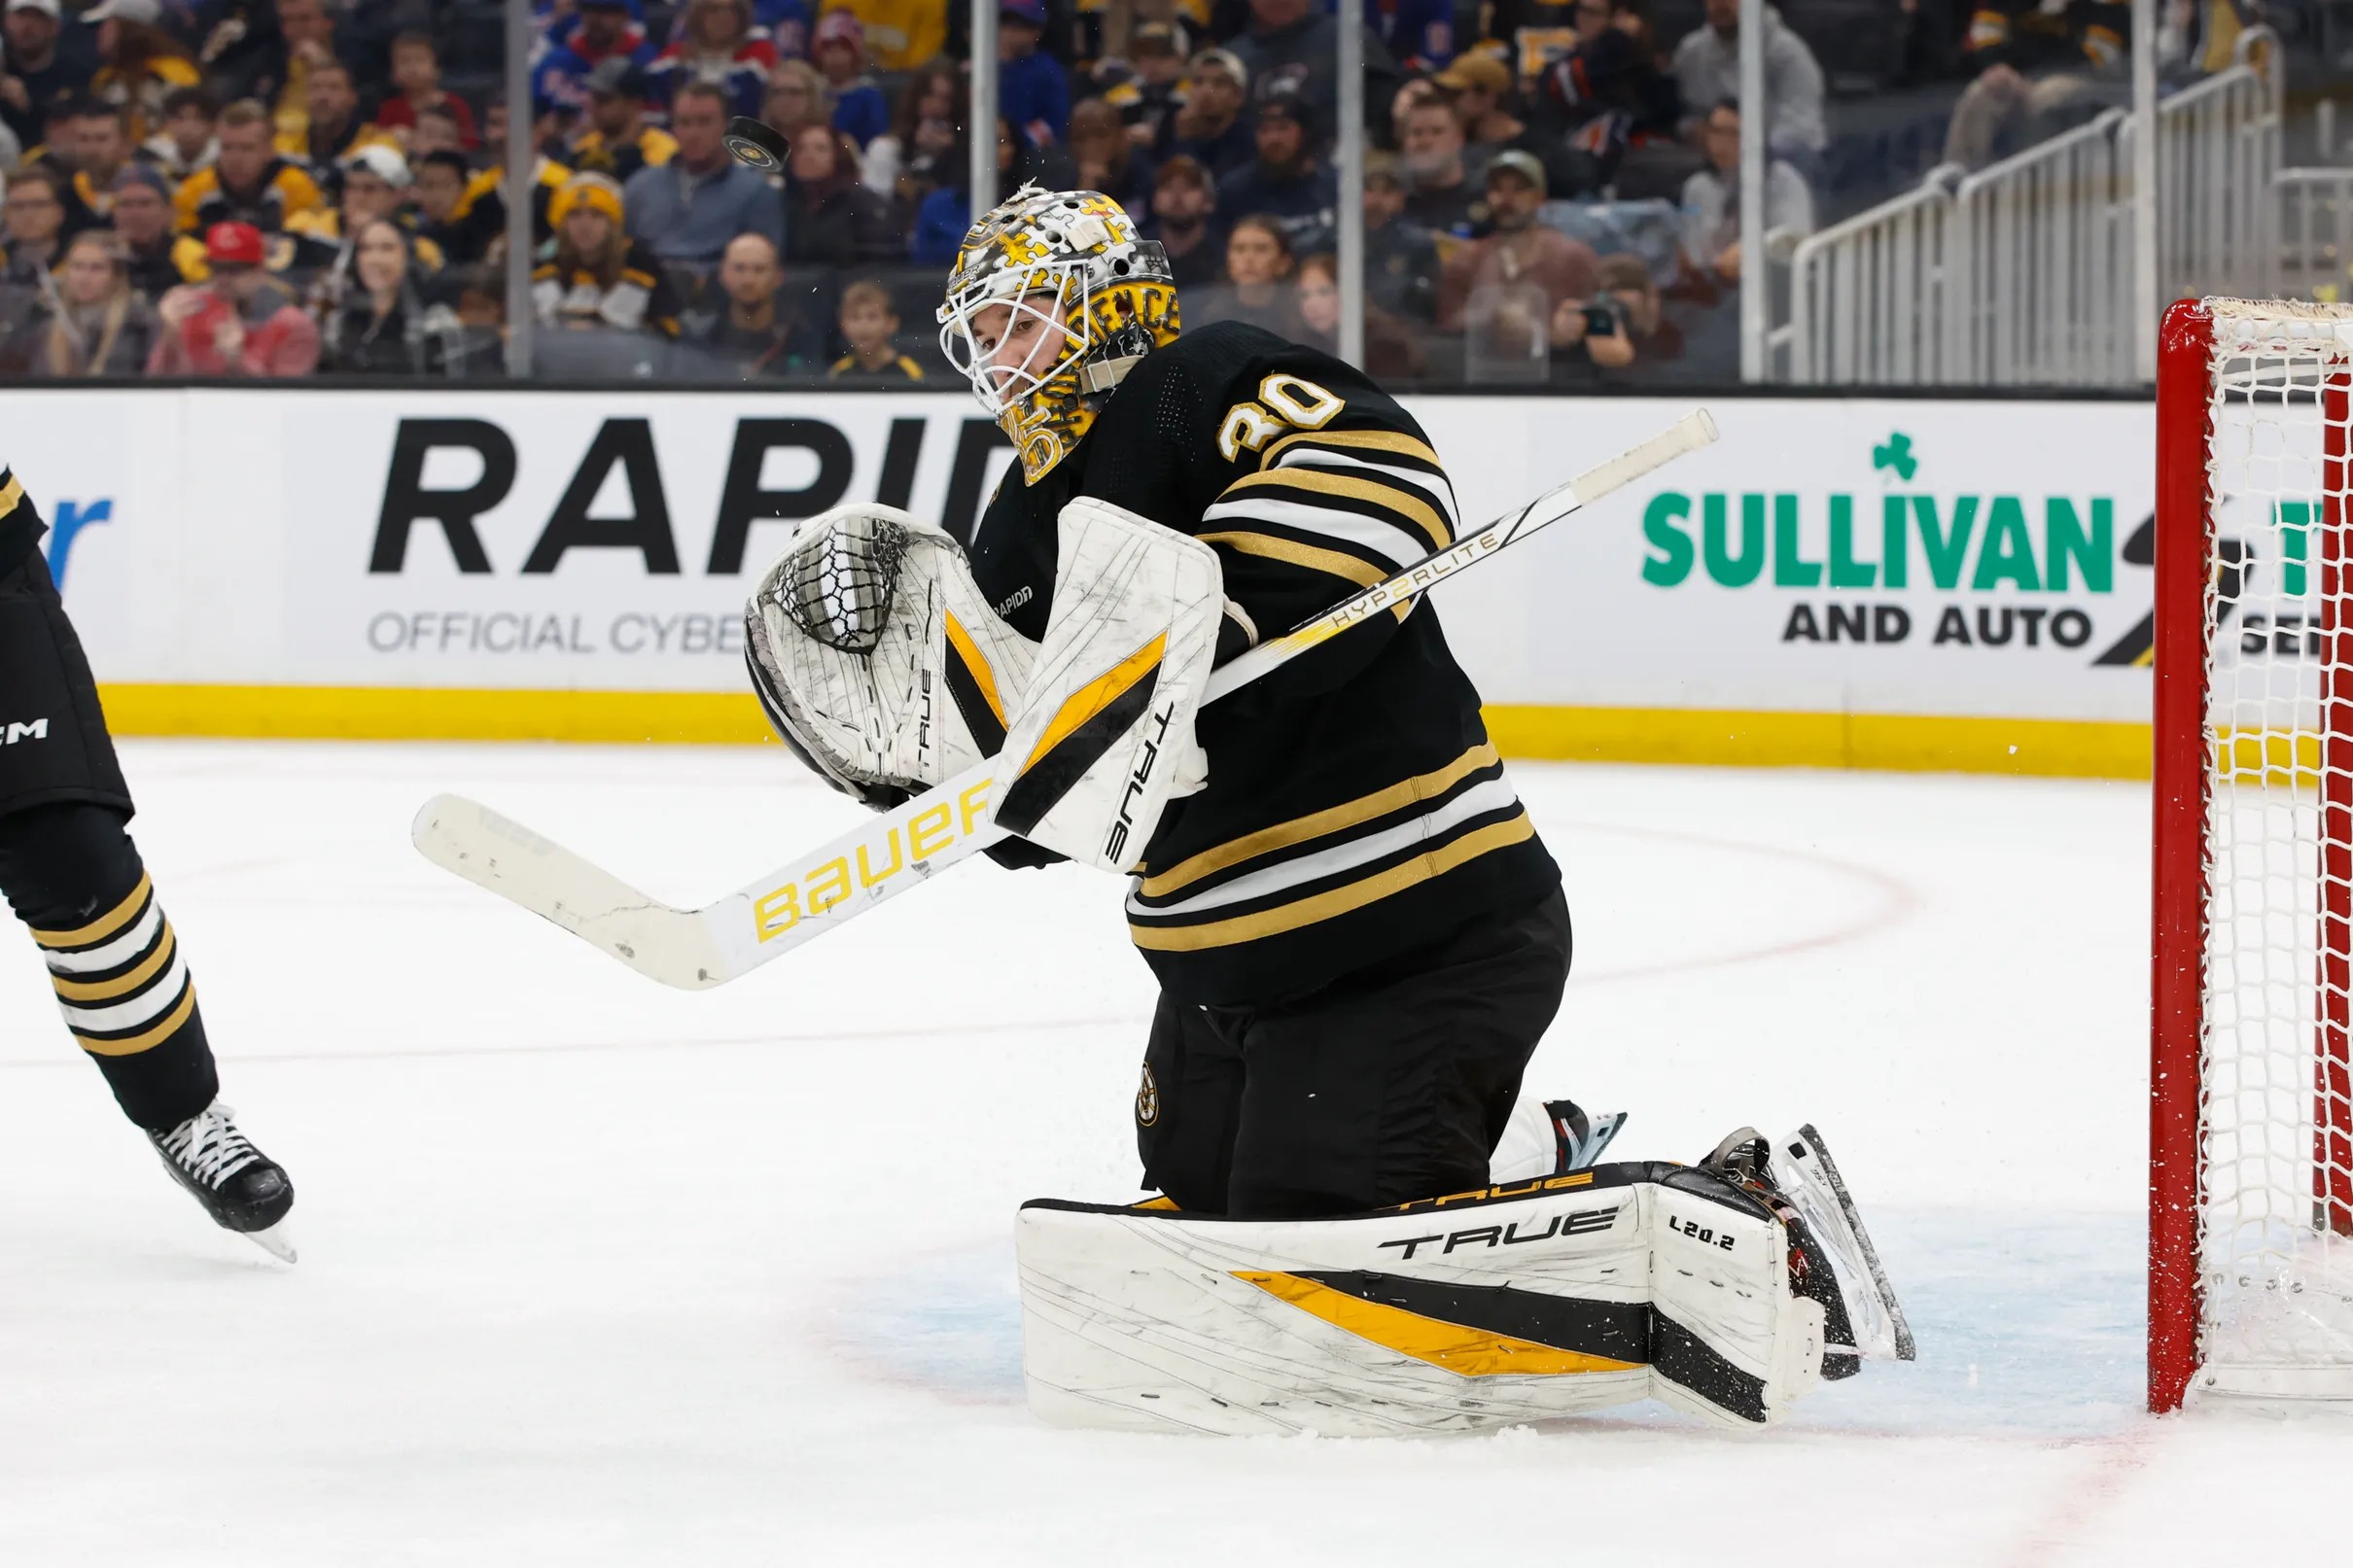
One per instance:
[(277, 187)]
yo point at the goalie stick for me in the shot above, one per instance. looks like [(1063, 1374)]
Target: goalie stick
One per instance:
[(768, 917)]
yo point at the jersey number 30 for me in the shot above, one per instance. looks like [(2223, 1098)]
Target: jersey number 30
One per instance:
[(1284, 403)]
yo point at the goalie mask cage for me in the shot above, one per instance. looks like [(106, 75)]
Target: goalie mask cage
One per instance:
[(2251, 1125)]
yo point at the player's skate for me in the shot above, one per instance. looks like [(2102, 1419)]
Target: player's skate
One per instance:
[(240, 1187), (1841, 1268), (1550, 1137)]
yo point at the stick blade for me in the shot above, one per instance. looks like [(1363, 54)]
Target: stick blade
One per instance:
[(495, 852)]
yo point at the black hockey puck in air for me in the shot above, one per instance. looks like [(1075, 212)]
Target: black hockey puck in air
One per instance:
[(761, 145)]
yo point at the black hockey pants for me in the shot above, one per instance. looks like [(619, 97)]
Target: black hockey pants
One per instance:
[(1383, 1087)]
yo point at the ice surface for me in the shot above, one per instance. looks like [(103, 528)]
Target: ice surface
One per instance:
[(595, 1272)]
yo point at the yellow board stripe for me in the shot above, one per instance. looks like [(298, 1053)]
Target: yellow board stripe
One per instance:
[(1097, 695), (982, 675), (1317, 824), (98, 990), (1340, 900), (104, 926), (1454, 1347), (1355, 487), (146, 1039), (1699, 737)]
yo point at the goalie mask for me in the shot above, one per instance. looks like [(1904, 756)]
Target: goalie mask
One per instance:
[(1086, 296)]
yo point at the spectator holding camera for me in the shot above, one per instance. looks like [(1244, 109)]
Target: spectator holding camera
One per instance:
[(239, 321), (97, 323), (1622, 326), (1519, 249)]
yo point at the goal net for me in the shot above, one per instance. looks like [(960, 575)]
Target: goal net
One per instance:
[(2251, 1176)]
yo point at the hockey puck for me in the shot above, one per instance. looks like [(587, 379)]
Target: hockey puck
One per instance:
[(759, 145)]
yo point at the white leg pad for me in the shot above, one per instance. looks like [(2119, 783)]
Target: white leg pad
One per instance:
[(1558, 1297)]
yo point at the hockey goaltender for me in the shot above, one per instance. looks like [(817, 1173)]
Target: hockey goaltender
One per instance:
[(1358, 935)]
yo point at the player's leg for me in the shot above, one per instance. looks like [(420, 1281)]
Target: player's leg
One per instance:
[(1382, 1089), (70, 872), (1187, 1106)]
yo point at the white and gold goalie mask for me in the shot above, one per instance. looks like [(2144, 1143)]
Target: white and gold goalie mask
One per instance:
[(1052, 299)]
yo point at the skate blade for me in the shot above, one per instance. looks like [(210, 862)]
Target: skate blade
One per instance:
[(1805, 1155), (272, 1239)]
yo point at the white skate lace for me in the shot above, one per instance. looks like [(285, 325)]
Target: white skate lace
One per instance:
[(209, 1146)]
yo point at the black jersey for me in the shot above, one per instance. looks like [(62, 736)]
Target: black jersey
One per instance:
[(1354, 807), (21, 525)]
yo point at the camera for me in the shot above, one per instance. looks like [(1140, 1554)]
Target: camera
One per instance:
[(1601, 319)]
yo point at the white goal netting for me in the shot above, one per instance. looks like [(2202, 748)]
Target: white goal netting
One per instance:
[(2275, 1120)]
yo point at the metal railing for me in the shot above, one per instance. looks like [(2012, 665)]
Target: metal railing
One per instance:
[(2040, 286), (2315, 230), (2022, 274), (1864, 296)]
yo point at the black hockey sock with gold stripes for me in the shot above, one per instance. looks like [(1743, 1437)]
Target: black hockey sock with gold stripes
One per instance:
[(72, 874)]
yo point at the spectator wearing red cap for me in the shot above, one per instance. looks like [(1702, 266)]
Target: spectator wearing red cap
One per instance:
[(860, 109), (715, 41), (416, 79), (1032, 90), (242, 322)]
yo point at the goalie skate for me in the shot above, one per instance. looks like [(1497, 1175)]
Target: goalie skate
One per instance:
[(1832, 1259)]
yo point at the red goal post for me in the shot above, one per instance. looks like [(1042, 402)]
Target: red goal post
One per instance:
[(2251, 1100)]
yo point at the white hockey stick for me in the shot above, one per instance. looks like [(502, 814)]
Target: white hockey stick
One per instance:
[(695, 948)]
